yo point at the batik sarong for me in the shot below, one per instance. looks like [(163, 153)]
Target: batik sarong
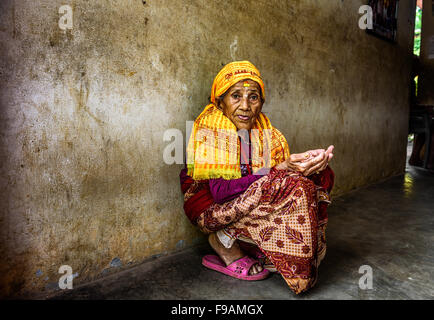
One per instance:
[(284, 214)]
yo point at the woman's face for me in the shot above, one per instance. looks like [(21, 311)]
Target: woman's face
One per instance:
[(242, 103)]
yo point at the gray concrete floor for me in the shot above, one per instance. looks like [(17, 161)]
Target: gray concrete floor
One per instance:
[(388, 226)]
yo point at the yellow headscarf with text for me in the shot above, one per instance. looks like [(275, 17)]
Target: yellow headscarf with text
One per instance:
[(213, 150)]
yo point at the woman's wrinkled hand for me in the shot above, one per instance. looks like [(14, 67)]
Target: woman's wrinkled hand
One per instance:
[(309, 162)]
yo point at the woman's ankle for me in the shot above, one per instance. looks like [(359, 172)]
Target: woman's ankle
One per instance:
[(228, 255)]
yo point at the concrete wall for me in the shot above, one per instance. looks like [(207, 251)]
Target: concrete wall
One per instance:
[(83, 112), (426, 77)]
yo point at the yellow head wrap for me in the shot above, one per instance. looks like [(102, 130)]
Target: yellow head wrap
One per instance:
[(213, 150), (231, 74)]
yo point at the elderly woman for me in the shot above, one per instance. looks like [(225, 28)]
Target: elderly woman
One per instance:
[(263, 208)]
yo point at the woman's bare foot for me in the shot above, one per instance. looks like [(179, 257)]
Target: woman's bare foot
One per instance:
[(230, 255)]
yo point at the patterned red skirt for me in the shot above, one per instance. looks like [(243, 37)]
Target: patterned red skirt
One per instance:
[(284, 214)]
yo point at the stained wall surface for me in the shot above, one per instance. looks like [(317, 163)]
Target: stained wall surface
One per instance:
[(84, 111)]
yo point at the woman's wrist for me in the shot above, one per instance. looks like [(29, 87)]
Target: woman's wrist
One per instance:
[(281, 166)]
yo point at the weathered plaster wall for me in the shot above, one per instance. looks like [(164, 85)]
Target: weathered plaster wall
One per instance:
[(83, 114), (426, 77)]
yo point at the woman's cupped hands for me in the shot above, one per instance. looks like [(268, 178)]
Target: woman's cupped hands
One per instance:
[(309, 162)]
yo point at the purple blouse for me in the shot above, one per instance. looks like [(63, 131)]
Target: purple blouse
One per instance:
[(225, 190)]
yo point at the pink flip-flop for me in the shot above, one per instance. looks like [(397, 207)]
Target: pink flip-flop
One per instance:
[(256, 253), (238, 269)]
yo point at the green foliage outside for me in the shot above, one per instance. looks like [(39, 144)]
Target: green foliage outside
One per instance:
[(417, 31)]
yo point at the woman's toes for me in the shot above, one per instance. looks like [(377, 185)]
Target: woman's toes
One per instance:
[(252, 270), (255, 269)]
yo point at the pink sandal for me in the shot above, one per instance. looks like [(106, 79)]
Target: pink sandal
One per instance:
[(238, 269), (256, 253)]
